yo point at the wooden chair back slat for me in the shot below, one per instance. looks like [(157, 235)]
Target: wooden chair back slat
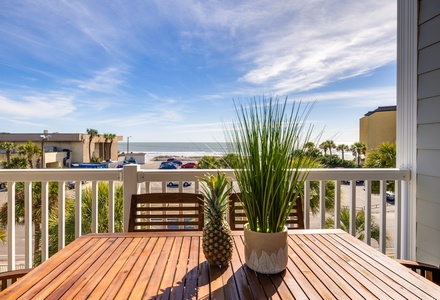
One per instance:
[(166, 211), (237, 217)]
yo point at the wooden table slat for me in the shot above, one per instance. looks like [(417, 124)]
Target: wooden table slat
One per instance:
[(240, 279), (383, 268), (131, 272), (169, 272), (352, 273), (112, 267), (143, 286), (62, 274), (114, 283), (180, 276), (255, 288)]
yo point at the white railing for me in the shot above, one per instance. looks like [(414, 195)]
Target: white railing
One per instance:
[(136, 180)]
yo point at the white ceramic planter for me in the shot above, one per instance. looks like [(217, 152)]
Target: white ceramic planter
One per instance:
[(266, 253)]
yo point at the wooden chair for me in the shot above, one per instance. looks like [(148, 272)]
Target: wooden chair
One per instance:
[(9, 277), (237, 216), (430, 272), (166, 211)]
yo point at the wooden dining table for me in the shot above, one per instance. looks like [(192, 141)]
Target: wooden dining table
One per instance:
[(323, 264)]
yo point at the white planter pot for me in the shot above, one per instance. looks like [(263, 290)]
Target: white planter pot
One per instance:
[(266, 253)]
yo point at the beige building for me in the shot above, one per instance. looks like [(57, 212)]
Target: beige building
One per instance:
[(65, 149), (378, 126)]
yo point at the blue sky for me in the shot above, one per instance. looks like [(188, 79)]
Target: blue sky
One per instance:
[(169, 70)]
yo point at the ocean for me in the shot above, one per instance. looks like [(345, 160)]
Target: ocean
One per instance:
[(175, 148)]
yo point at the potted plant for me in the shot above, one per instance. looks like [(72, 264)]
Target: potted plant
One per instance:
[(269, 140)]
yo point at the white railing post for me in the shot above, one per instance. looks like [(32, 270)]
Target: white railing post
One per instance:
[(94, 206), (131, 186), (78, 209), (383, 217), (28, 254), (398, 220), (352, 207), (44, 220), (337, 204), (11, 226), (406, 216), (322, 203), (367, 236), (307, 204), (61, 215), (111, 206)]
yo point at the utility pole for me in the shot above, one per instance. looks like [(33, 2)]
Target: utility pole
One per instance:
[(44, 137), (128, 144)]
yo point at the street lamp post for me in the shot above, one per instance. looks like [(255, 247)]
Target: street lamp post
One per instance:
[(128, 144), (44, 137)]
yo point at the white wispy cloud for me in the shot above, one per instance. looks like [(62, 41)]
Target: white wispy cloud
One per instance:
[(370, 97), (37, 106), (109, 81), (293, 46)]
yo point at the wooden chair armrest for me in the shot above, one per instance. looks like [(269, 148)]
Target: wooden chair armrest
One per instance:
[(12, 276)]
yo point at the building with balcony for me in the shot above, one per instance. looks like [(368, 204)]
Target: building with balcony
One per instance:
[(378, 126), (65, 149)]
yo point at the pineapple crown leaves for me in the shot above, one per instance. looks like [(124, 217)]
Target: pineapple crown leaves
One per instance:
[(215, 191)]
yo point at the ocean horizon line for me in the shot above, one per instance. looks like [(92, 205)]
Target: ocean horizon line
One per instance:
[(175, 148)]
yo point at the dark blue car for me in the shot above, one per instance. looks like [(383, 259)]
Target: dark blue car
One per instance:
[(167, 165)]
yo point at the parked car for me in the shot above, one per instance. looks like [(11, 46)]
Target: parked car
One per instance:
[(167, 165), (170, 159), (358, 182), (177, 162), (189, 165), (390, 198), (131, 160), (176, 184), (71, 184)]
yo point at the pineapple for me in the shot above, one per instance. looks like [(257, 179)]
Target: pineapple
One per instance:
[(217, 238)]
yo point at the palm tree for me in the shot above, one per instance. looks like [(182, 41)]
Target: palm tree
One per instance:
[(8, 146), (311, 150), (2, 235), (331, 145), (86, 215), (228, 161), (208, 162), (111, 137), (384, 156), (29, 150), (16, 162), (36, 209), (106, 137), (92, 133), (358, 149), (329, 196), (342, 148), (324, 146), (360, 224)]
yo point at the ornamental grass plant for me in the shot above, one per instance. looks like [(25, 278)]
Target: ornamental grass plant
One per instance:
[(268, 136)]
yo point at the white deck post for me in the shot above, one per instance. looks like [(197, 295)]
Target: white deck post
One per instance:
[(11, 226), (130, 181), (406, 146)]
